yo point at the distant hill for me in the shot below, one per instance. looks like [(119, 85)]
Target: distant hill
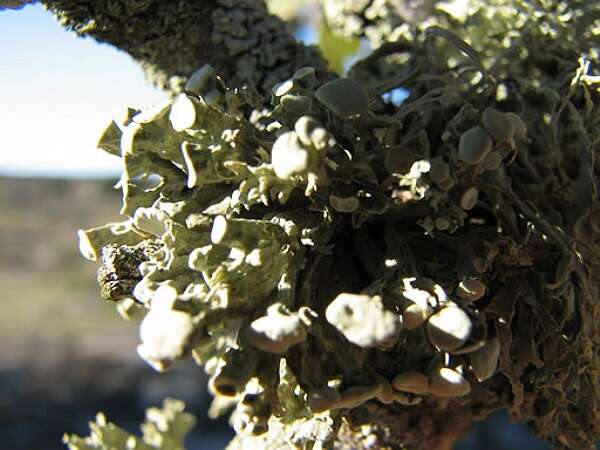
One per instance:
[(40, 217), (50, 291)]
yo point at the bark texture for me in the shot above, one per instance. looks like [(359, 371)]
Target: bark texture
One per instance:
[(171, 39), (13, 4), (437, 423)]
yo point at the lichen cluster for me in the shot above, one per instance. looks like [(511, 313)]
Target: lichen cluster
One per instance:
[(322, 248), (164, 429)]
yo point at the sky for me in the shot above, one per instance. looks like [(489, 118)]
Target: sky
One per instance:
[(57, 93)]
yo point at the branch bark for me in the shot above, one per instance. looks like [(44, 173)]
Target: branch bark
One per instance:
[(171, 39), (437, 423), (13, 4)]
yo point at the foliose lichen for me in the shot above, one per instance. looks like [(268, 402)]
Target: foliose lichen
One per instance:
[(329, 250), (164, 429)]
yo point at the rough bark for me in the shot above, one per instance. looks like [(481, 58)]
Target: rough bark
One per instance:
[(13, 4), (432, 426), (171, 39), (437, 423)]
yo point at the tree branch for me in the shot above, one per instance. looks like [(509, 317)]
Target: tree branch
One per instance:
[(437, 423), (171, 39), (377, 20), (13, 4)]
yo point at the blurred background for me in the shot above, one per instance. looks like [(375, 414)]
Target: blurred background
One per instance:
[(64, 353)]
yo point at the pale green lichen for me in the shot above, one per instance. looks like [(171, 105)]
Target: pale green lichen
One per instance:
[(332, 251), (363, 320), (164, 429)]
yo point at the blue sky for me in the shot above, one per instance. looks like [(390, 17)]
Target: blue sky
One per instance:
[(57, 92)]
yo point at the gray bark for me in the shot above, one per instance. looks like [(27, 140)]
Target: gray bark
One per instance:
[(170, 39)]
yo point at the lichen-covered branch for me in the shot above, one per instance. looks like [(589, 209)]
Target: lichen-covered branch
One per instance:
[(388, 21), (433, 425), (170, 39), (375, 19), (13, 4), (353, 272)]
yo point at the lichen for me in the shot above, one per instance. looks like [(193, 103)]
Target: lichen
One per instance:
[(164, 429), (332, 252), (170, 40)]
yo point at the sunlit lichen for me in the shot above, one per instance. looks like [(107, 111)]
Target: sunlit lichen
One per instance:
[(164, 429), (320, 250)]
